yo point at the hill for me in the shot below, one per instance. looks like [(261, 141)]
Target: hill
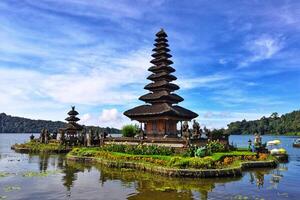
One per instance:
[(287, 124), (11, 124)]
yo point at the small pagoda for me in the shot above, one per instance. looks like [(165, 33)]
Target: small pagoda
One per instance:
[(72, 126), (159, 115)]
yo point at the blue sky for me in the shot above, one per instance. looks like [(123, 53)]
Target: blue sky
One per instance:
[(234, 59)]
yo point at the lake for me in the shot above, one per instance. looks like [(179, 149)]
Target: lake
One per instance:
[(24, 176)]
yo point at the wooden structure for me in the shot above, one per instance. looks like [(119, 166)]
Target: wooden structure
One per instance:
[(72, 127), (159, 115)]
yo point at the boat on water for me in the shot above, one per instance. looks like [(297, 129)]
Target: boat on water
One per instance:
[(296, 143), (279, 153)]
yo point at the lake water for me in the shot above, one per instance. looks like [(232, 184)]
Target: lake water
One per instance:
[(24, 176)]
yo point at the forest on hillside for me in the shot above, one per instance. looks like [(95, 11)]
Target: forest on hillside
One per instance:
[(287, 124), (10, 124)]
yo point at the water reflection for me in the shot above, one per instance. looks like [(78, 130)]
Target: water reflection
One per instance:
[(146, 185), (149, 186), (90, 181)]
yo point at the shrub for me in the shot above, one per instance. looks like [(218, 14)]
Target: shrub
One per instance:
[(139, 149), (215, 146), (197, 163), (130, 130)]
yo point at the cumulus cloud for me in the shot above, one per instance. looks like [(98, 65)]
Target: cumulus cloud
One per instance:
[(112, 118), (261, 48)]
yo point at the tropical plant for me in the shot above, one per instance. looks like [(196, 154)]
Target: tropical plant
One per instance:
[(129, 130)]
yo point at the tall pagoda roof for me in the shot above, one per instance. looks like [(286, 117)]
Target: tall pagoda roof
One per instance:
[(73, 111), (161, 98), (72, 121), (163, 110)]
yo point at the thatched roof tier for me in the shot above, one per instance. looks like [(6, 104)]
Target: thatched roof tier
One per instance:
[(160, 54), (161, 44), (161, 97), (73, 111), (160, 110), (72, 119), (161, 60), (161, 33), (161, 39), (161, 85), (161, 76), (158, 49), (73, 127), (161, 68)]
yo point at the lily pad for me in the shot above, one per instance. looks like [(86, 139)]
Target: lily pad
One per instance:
[(40, 174), (11, 188), (4, 174), (165, 189)]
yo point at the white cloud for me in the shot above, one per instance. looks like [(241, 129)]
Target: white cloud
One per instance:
[(112, 118), (204, 81), (109, 115), (85, 118), (262, 48)]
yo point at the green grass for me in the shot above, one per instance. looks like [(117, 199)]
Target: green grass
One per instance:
[(292, 134), (34, 146), (174, 161), (220, 155)]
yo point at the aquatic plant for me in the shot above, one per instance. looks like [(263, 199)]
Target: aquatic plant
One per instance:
[(2, 197), (35, 146), (11, 188), (4, 174), (40, 174)]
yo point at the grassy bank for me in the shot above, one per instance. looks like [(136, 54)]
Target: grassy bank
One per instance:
[(36, 147), (218, 160)]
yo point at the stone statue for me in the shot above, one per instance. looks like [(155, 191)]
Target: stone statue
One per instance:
[(89, 138), (186, 132), (42, 136), (47, 136), (196, 130), (31, 137), (257, 140), (62, 137)]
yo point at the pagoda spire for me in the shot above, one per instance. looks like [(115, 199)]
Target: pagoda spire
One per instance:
[(161, 87), (159, 115), (72, 116)]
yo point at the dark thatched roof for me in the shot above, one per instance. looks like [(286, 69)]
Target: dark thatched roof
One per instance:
[(157, 110), (162, 75), (161, 96), (72, 119), (161, 33), (73, 127), (161, 60), (161, 53), (161, 85), (159, 68), (73, 111)]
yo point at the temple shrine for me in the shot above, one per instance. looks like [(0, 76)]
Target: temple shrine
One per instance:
[(72, 127), (160, 114)]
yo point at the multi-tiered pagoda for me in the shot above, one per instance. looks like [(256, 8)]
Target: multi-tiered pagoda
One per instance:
[(72, 126), (159, 115)]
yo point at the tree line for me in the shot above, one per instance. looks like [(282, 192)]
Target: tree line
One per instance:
[(287, 124), (11, 124)]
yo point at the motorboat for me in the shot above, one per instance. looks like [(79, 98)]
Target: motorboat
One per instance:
[(296, 143)]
